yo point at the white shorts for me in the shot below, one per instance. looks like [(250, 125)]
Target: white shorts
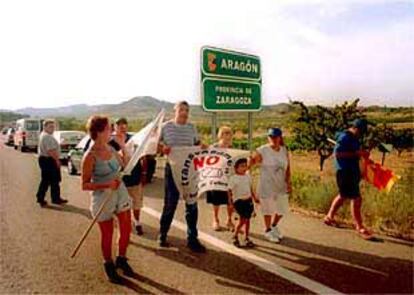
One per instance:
[(275, 205), (118, 203), (136, 193)]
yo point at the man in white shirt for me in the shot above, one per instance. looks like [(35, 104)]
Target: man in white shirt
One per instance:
[(48, 151)]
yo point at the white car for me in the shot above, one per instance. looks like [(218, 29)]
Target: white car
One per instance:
[(76, 154), (67, 140)]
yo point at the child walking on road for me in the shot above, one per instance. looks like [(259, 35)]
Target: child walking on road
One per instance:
[(241, 195), (274, 182)]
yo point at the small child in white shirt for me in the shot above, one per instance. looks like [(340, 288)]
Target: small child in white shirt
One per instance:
[(241, 195)]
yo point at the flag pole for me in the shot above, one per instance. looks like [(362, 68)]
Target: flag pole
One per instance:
[(86, 233)]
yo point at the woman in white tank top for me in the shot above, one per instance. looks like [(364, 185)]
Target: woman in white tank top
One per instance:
[(274, 182)]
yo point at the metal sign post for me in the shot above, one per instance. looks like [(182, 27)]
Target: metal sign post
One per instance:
[(214, 126), (250, 125)]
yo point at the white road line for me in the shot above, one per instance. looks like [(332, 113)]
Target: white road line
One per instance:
[(269, 266), (291, 276)]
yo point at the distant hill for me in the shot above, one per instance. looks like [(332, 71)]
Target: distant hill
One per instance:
[(78, 110), (140, 106), (7, 118), (143, 108)]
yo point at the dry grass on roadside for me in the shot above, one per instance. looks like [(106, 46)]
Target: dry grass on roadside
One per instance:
[(392, 213)]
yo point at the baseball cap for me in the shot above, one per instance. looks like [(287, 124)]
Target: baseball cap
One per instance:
[(274, 132), (361, 124)]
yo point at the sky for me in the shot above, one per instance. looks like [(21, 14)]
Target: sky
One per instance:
[(58, 53)]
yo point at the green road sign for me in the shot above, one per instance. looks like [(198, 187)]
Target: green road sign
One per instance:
[(230, 81), (231, 95), (229, 64)]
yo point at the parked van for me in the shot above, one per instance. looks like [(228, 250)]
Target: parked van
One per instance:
[(27, 134)]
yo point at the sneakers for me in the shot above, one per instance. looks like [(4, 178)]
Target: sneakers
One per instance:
[(271, 237), (111, 273), (249, 243), (196, 247), (276, 232), (60, 201), (138, 229), (122, 263)]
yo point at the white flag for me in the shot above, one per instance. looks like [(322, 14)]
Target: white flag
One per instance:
[(145, 142)]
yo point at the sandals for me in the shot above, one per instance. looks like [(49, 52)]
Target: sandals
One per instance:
[(216, 226), (364, 233), (330, 222), (248, 243)]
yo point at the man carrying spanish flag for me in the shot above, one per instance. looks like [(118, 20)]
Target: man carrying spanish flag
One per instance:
[(347, 154)]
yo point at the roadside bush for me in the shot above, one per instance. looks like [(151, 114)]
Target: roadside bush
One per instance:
[(392, 213), (312, 192)]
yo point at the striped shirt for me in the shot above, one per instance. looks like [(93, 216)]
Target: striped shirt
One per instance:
[(173, 134)]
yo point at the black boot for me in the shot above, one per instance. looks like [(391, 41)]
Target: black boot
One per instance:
[(122, 263), (110, 270)]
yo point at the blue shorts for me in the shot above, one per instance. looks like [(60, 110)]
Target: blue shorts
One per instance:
[(348, 183), (244, 208), (217, 198), (118, 203)]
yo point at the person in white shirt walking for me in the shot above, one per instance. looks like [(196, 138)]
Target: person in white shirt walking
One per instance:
[(274, 184), (241, 195)]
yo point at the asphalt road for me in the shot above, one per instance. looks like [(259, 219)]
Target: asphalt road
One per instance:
[(36, 244)]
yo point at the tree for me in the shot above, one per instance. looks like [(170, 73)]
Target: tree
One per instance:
[(315, 125), (400, 139)]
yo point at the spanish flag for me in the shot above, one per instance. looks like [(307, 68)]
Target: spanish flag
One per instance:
[(376, 174)]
